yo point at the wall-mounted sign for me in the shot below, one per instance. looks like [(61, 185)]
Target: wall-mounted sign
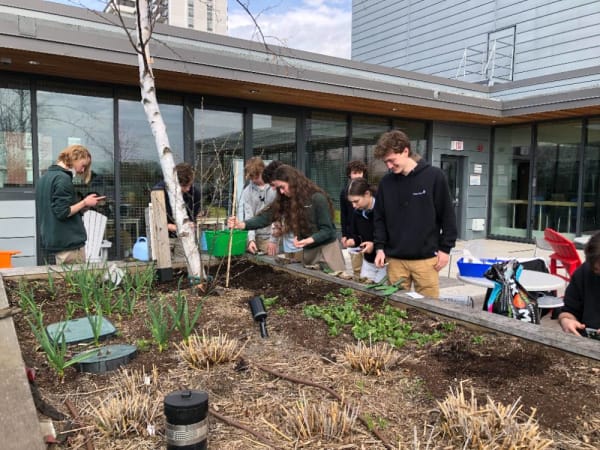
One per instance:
[(457, 145), (475, 180), (477, 168)]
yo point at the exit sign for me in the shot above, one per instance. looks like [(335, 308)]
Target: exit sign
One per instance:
[(457, 145)]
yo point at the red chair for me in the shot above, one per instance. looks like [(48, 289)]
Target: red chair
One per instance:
[(565, 254)]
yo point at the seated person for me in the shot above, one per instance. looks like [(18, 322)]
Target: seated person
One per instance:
[(255, 197), (191, 199), (582, 296)]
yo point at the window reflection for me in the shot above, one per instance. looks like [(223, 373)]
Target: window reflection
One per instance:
[(140, 164), (366, 131), (327, 148), (274, 138), (510, 183), (218, 140), (15, 138)]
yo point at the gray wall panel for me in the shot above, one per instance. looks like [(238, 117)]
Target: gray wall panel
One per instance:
[(431, 36)]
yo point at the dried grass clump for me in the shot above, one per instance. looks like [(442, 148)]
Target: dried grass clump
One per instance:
[(370, 359), (491, 426), (203, 351), (327, 420), (133, 408)]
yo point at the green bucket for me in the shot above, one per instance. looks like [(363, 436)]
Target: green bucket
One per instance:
[(217, 242)]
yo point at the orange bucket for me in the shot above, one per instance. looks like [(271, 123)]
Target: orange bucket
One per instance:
[(5, 258)]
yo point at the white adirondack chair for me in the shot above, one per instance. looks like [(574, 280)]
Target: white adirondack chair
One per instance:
[(96, 247)]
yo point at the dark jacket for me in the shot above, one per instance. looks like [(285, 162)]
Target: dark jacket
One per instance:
[(192, 200), (414, 214), (582, 296), (361, 223), (346, 211), (54, 195), (323, 228)]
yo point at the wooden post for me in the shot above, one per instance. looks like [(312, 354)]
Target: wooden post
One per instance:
[(160, 236), (233, 213)]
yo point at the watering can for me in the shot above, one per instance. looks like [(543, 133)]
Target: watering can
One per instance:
[(140, 249)]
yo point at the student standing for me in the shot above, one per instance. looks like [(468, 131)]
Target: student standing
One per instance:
[(304, 209), (361, 196), (192, 201), (415, 224), (355, 169), (59, 213), (255, 197)]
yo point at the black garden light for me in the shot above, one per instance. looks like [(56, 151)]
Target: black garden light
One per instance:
[(259, 314), (186, 424)]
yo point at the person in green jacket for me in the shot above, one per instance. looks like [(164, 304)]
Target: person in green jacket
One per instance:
[(305, 210), (58, 209)]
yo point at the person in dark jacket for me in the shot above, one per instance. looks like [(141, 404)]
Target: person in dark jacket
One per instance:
[(303, 208), (192, 201), (360, 239), (355, 169), (415, 224), (58, 209), (581, 308)]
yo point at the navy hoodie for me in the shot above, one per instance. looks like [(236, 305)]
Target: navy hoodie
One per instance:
[(414, 214)]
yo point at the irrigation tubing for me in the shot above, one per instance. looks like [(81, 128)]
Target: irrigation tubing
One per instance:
[(331, 392)]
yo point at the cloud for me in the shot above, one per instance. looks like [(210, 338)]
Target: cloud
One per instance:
[(317, 26)]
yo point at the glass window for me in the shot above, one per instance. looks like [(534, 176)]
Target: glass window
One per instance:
[(327, 150), (15, 138), (510, 182), (416, 132), (274, 138), (591, 179), (140, 164), (218, 140), (366, 131), (67, 119), (557, 175)]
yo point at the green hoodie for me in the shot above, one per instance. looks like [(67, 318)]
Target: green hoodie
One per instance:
[(54, 196)]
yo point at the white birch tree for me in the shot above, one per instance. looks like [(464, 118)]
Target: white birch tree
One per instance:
[(185, 226)]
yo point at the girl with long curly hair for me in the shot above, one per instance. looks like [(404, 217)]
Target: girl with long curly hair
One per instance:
[(305, 210)]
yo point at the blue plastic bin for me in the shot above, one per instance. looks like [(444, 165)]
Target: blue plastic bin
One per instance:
[(470, 269)]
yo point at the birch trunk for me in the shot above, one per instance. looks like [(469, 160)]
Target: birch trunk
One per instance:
[(185, 227)]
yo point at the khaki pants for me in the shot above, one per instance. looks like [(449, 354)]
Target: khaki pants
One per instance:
[(76, 256), (331, 254), (262, 244), (421, 272)]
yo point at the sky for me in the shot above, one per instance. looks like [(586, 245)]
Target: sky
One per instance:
[(319, 26)]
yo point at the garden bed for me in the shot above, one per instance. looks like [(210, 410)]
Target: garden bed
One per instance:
[(261, 389)]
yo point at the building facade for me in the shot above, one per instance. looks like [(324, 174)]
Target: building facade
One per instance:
[(488, 41), (68, 75), (202, 15)]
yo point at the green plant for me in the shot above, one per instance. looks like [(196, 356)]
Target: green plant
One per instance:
[(182, 320), (268, 302), (281, 311), (51, 287), (143, 345), (478, 340), (449, 326), (55, 347), (158, 323), (96, 321), (345, 312)]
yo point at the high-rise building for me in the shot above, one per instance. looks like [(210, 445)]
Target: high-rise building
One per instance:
[(202, 15)]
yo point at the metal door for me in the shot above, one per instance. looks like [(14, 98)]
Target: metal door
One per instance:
[(452, 166)]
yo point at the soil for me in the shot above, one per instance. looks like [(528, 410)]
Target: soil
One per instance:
[(563, 390)]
